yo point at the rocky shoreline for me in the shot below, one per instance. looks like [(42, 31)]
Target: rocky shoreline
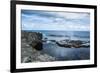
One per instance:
[(70, 43), (73, 44), (32, 44), (31, 47)]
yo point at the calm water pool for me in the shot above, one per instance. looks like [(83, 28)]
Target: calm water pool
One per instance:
[(62, 53)]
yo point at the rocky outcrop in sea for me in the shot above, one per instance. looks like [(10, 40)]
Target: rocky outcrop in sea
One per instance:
[(73, 43)]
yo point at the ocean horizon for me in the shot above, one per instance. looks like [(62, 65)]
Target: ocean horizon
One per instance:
[(55, 34)]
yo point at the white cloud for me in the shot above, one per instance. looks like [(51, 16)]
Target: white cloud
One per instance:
[(72, 15), (68, 21), (56, 27)]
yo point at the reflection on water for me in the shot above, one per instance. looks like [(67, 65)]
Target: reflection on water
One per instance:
[(62, 53), (50, 46)]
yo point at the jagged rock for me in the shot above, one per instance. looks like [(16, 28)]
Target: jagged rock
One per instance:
[(73, 43), (32, 38), (27, 59), (29, 53)]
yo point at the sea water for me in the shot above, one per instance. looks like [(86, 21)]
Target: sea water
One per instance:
[(63, 53)]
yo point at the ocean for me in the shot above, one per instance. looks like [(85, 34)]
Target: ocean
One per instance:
[(63, 53)]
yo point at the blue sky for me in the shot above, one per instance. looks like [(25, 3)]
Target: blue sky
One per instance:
[(50, 20)]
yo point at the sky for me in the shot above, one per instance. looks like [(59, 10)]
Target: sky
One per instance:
[(51, 20)]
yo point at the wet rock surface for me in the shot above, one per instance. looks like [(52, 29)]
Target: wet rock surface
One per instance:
[(73, 44), (34, 39), (31, 48)]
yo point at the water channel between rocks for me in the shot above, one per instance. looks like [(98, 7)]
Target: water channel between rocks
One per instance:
[(62, 53)]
